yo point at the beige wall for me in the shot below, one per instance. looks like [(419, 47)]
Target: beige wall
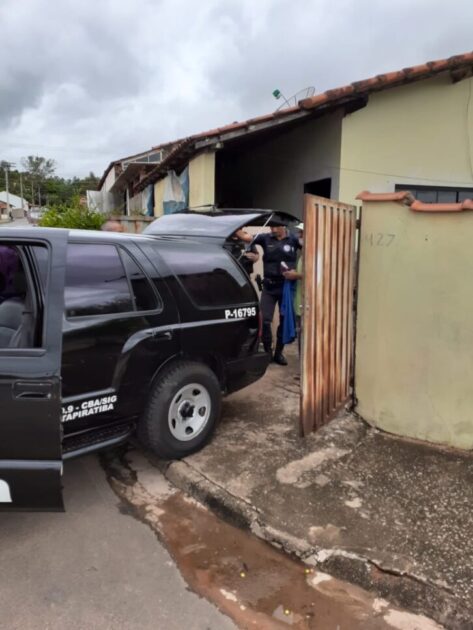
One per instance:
[(414, 352), (417, 133), (202, 180), (159, 198)]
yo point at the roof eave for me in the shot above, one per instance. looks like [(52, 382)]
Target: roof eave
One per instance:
[(453, 65)]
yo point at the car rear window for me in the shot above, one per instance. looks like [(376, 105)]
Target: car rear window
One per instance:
[(210, 278), (96, 282), (143, 293)]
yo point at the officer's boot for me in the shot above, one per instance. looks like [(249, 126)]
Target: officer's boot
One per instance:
[(279, 358)]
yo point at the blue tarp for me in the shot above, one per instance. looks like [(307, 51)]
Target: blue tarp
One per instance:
[(287, 312), (176, 192)]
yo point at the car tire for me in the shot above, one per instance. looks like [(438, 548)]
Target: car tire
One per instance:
[(182, 411)]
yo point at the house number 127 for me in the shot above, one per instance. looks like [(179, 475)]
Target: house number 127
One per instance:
[(380, 239)]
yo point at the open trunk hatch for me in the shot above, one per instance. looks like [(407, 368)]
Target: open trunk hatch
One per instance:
[(218, 224)]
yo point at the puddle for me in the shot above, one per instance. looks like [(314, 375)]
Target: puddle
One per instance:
[(258, 586)]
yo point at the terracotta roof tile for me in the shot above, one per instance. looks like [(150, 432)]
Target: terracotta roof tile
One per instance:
[(334, 97), (390, 79), (419, 206), (403, 196)]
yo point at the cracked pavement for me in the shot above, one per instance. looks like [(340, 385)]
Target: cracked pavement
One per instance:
[(391, 515)]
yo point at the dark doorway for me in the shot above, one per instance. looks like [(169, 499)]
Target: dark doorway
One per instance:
[(319, 188)]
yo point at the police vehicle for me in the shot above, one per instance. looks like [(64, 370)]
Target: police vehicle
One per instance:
[(104, 335)]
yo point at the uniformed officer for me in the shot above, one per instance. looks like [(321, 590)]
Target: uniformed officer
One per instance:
[(245, 252), (279, 254)]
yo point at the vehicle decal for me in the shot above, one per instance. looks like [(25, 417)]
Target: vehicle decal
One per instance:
[(240, 313), (90, 407), (5, 494)]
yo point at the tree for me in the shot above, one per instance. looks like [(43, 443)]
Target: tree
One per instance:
[(88, 183), (38, 183), (38, 169)]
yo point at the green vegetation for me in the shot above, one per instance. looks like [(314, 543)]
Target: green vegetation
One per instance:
[(41, 187), (72, 216)]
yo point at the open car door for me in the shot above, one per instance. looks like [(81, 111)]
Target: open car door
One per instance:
[(32, 264)]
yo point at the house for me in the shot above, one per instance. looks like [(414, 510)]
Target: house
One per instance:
[(14, 201), (411, 129), (12, 204), (119, 188)]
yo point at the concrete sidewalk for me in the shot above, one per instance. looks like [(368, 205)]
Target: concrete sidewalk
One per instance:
[(390, 515)]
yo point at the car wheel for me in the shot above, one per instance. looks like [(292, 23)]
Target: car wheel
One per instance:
[(182, 411)]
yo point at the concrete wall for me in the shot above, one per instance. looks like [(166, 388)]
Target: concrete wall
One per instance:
[(133, 224), (136, 203), (273, 173), (420, 133), (202, 180), (414, 351)]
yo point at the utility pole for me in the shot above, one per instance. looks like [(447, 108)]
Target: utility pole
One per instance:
[(21, 194), (7, 169), (6, 186)]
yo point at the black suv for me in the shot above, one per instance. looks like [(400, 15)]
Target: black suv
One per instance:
[(116, 333)]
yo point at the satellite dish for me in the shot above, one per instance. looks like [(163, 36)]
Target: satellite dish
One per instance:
[(295, 98)]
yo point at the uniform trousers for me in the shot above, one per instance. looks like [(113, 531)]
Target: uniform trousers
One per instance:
[(270, 296)]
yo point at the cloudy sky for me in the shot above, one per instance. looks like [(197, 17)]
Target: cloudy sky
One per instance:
[(88, 81)]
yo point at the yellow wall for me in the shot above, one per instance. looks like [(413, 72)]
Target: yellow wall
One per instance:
[(417, 133), (414, 353), (159, 198), (202, 180)]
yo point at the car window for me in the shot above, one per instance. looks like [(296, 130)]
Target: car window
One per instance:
[(211, 278), (96, 283), (41, 258), (143, 292), (20, 319)]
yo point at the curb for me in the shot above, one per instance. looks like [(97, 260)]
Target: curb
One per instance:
[(390, 582)]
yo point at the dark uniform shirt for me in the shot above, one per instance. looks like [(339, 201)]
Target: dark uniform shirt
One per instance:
[(277, 251)]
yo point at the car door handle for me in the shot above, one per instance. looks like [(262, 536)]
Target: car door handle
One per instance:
[(162, 335), (32, 391)]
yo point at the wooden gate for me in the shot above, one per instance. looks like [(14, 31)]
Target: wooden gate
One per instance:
[(327, 320)]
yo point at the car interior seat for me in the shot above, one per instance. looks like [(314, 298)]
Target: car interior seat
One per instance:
[(16, 316)]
